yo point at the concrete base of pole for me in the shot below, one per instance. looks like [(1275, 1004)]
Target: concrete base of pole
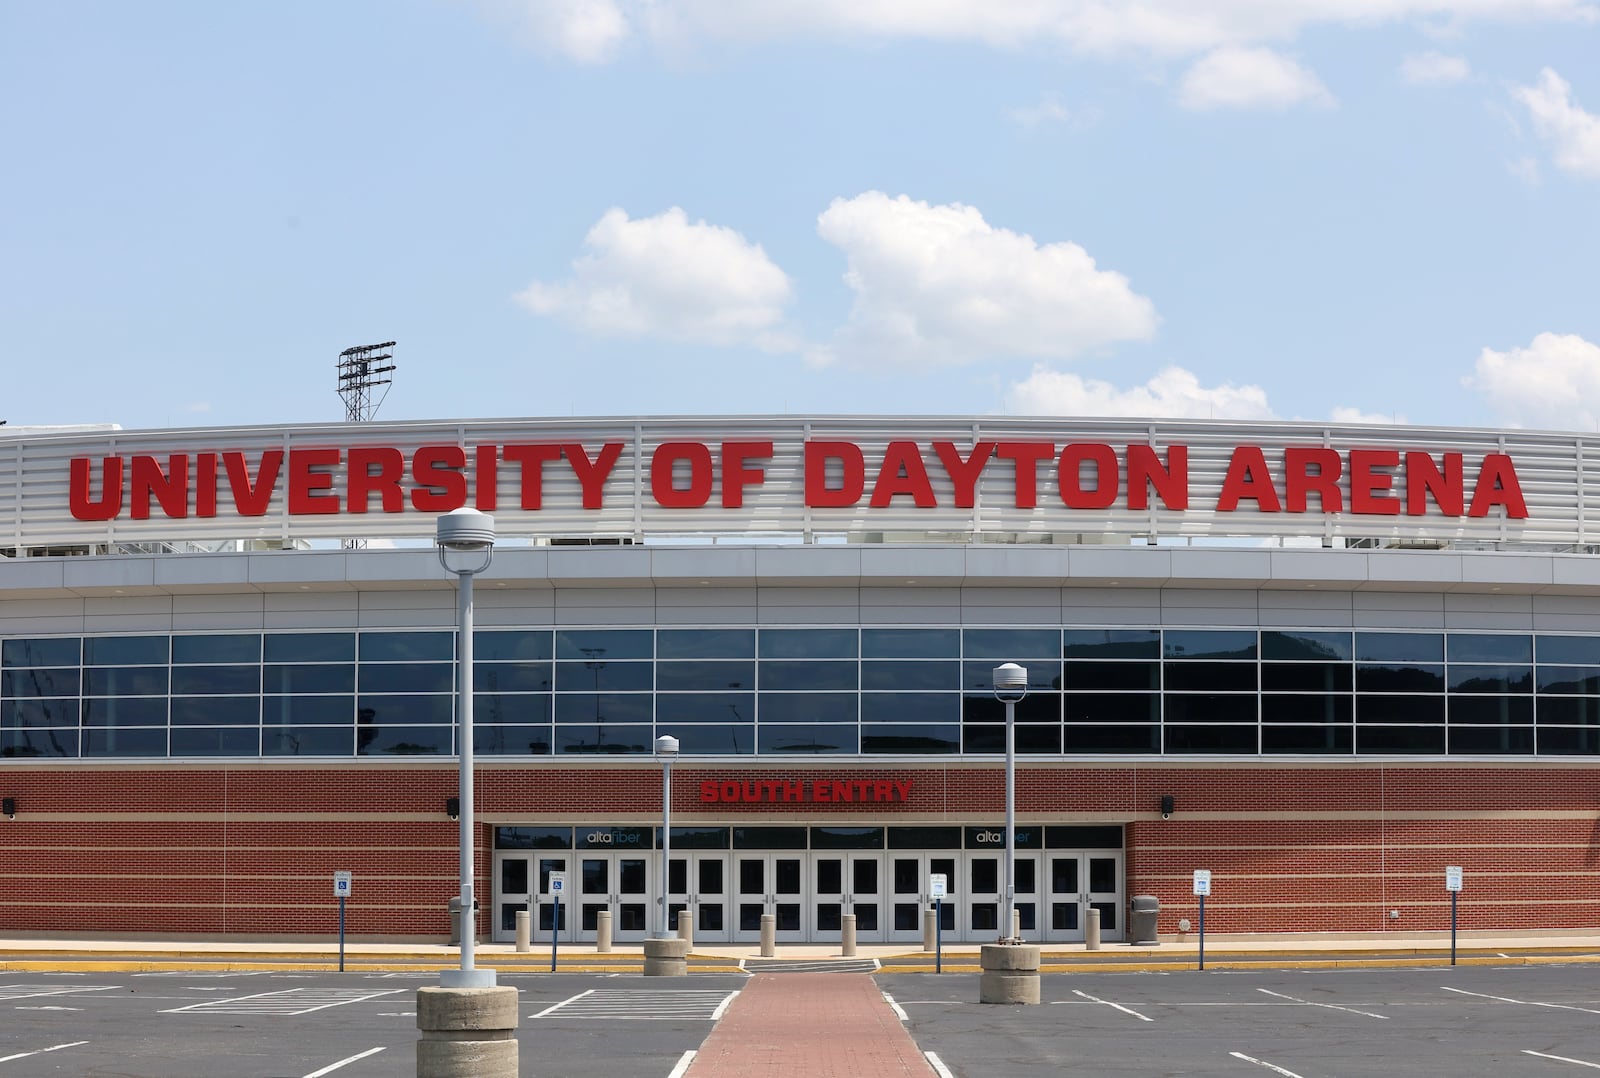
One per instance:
[(686, 927), (467, 1033), (666, 957), (602, 932), (524, 930), (847, 936), (930, 930), (1091, 931), (1010, 973), (769, 935)]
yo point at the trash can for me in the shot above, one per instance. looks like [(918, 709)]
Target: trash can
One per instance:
[(1142, 922)]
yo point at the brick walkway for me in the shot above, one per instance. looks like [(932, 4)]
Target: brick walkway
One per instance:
[(810, 1024)]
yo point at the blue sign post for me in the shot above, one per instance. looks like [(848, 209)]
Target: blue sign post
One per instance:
[(558, 883), (341, 891), (1202, 888), (937, 884)]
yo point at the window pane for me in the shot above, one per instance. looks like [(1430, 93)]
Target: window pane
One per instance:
[(125, 650), (308, 710), (911, 675), (1308, 708), (512, 677), (807, 740), (807, 643), (500, 645), (1303, 645), (1013, 645), (828, 707), (604, 644), (307, 741), (602, 709), (1397, 677), (407, 647), (1028, 739), (705, 675), (1575, 650), (910, 707), (217, 648), (125, 742), (1129, 739), (709, 740), (787, 674), (1211, 676), (223, 741), (918, 739), (405, 710), (38, 713), (215, 680), (1330, 740), (705, 643), (517, 708), (1111, 644), (40, 682), (404, 741), (603, 739), (49, 651), (1555, 741), (115, 711), (35, 743), (846, 838), (1111, 675), (1209, 644), (1490, 647), (1400, 740), (695, 708), (511, 740), (1508, 679), (332, 677), (1038, 707), (1400, 647), (406, 677), (1491, 741), (1228, 739), (1491, 710), (1568, 680), (1570, 711), (1044, 675), (1422, 709), (1195, 707), (911, 643), (604, 676), (309, 647), (1306, 677), (125, 681), (216, 711)]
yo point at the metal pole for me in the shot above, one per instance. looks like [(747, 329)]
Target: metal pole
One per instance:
[(555, 934), (464, 705), (1453, 896), (1011, 814), (1202, 931), (341, 933), (938, 936), (666, 839)]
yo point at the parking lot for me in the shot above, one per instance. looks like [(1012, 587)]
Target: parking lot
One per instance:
[(1516, 1020)]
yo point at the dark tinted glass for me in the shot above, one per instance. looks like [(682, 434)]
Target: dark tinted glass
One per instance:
[(924, 838), (604, 708), (807, 740), (512, 677), (1399, 677), (1555, 741), (377, 710), (1111, 644), (1196, 739), (1044, 675), (1569, 711), (1490, 741), (1112, 739), (911, 643), (1034, 708), (931, 707), (734, 707), (307, 741), (1209, 644), (404, 741), (1029, 739), (911, 739), (407, 647), (1512, 679), (1305, 645), (603, 676), (511, 740), (216, 711), (125, 681), (1576, 650), (217, 648), (1211, 677), (1084, 707), (847, 838), (911, 675), (769, 838), (330, 677), (792, 674), (35, 743), (1400, 647), (406, 677), (308, 710), (1197, 707), (533, 838), (701, 838), (1307, 708), (1399, 709), (124, 650), (1111, 675), (603, 740), (1489, 648), (704, 675), (705, 643), (499, 645), (309, 647), (37, 713), (712, 740), (1013, 645), (511, 708), (52, 651), (808, 643), (40, 681), (807, 707), (1306, 677), (124, 742), (225, 741), (203, 680), (1491, 710), (1331, 740), (598, 644), (1569, 679)]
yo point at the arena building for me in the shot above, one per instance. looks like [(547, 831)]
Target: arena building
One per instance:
[(1322, 662)]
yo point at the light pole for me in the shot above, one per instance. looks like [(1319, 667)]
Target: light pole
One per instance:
[(1010, 686), (465, 538), (666, 748)]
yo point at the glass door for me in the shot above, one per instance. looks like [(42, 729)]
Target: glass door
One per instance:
[(699, 882), (615, 882), (1078, 882), (770, 884), (908, 894), (1105, 892), (847, 883), (512, 895), (546, 923)]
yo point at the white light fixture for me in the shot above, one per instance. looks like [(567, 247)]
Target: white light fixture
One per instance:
[(1010, 686)]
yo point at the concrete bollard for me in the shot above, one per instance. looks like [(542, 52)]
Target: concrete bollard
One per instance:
[(667, 957), (847, 936), (769, 935), (686, 927), (467, 1033), (1091, 931), (1016, 924), (930, 930), (1010, 973), (524, 930), (602, 932)]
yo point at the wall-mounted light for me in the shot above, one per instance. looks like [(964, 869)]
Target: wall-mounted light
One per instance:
[(1166, 806), (452, 807), (8, 805)]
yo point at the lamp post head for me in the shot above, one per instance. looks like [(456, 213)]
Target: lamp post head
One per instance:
[(1010, 682), (464, 529), (666, 747)]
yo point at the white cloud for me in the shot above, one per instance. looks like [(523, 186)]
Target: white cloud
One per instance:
[(1250, 78), (1552, 383), (1173, 393), (665, 276), (940, 285), (1434, 69), (1559, 120), (1160, 27), (1356, 415), (588, 31)]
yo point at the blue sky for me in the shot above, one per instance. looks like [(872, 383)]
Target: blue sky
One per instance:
[(1199, 208)]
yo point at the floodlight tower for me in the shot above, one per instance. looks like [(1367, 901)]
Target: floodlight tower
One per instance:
[(362, 369)]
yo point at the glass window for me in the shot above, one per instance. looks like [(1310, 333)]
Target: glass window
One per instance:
[(1119, 739), (1013, 645), (711, 740), (1302, 646), (410, 647), (1509, 679), (517, 708), (911, 643), (40, 682), (308, 710), (38, 713), (1111, 644), (138, 742), (1329, 740), (373, 711), (309, 647), (696, 708), (603, 739), (1491, 710), (1400, 709), (533, 838), (1308, 708), (511, 677), (511, 740), (604, 676), (406, 677), (1082, 707), (806, 740), (924, 838), (1111, 675), (1491, 741), (1570, 650), (511, 645), (1400, 647), (769, 838), (1569, 680), (1569, 711), (705, 675), (705, 643), (216, 711), (215, 680), (847, 838), (1490, 647), (217, 648), (125, 650), (1039, 707), (1306, 677), (47, 651), (807, 643), (1209, 707), (404, 741), (217, 741), (934, 707), (908, 740), (125, 711), (1399, 677), (1209, 644), (604, 644), (1220, 739), (602, 709), (1557, 741), (320, 678), (1028, 739), (1211, 677), (35, 743), (307, 741), (1044, 675), (125, 681), (828, 707), (911, 675)]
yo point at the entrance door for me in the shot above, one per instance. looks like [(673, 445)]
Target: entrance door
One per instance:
[(770, 884), (512, 895), (617, 882), (847, 883), (1078, 882), (908, 894), (699, 882)]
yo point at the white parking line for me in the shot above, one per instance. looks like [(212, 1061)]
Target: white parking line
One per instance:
[(682, 1067), (899, 1011), (1563, 1059), (289, 1001), (938, 1065), (1329, 1006), (1274, 1068), (41, 1051), (33, 991), (1523, 1002), (330, 1068), (1116, 1006), (563, 1003)]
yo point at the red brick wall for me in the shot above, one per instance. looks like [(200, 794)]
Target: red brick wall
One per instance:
[(250, 850)]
